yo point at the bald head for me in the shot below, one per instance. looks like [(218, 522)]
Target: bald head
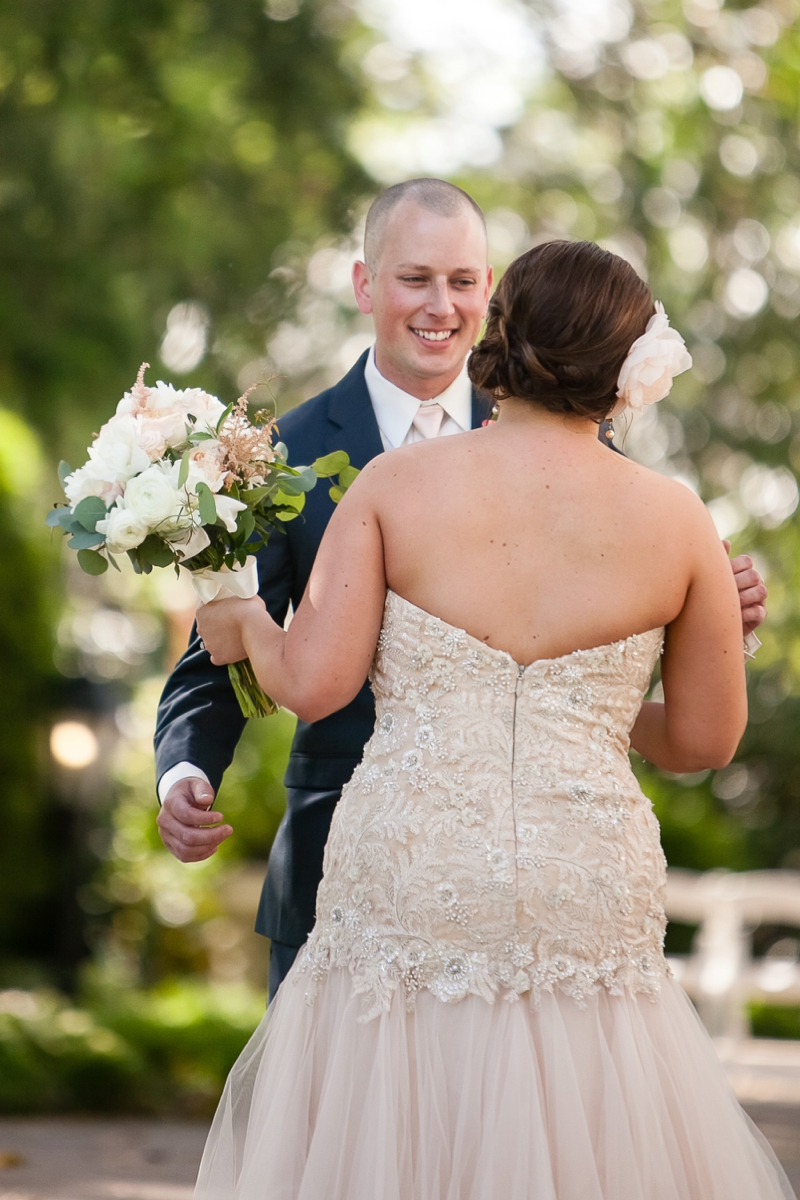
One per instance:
[(436, 195)]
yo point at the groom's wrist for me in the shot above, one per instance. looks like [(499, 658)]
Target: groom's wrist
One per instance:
[(181, 770)]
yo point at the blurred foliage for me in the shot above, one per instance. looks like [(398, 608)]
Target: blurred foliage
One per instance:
[(29, 847), (150, 917), (156, 153), (162, 1051), (775, 1021)]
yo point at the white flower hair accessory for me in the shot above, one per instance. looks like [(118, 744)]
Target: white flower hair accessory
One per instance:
[(653, 361)]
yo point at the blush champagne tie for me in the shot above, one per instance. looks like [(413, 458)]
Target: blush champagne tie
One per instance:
[(428, 420)]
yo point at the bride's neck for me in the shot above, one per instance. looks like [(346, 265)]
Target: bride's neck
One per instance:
[(527, 414)]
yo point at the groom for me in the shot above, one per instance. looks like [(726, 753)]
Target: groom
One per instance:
[(426, 282)]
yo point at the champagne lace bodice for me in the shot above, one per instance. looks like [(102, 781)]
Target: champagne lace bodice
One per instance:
[(494, 839)]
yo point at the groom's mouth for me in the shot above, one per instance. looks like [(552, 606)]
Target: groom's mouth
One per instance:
[(435, 335)]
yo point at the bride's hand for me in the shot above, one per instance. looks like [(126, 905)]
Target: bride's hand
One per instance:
[(221, 625)]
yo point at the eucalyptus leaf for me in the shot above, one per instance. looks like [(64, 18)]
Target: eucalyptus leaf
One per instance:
[(66, 520), (281, 450), (347, 476), (53, 518), (89, 512), (293, 485), (331, 464), (335, 494), (296, 502), (64, 469), (155, 552), (83, 540), (91, 562), (183, 474), (206, 504), (286, 514)]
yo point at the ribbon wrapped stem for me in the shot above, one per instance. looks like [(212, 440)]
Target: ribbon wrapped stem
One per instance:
[(225, 585)]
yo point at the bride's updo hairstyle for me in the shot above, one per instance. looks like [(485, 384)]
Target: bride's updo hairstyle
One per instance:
[(559, 328)]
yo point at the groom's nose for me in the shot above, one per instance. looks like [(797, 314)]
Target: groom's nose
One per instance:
[(439, 302)]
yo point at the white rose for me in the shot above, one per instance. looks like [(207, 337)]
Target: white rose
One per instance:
[(116, 450), (205, 466), (153, 497), (653, 361), (227, 508), (206, 408), (164, 428), (123, 529), (91, 481)]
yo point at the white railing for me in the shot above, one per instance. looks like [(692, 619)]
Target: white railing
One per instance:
[(720, 974)]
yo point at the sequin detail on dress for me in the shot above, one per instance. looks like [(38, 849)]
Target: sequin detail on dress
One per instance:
[(494, 840)]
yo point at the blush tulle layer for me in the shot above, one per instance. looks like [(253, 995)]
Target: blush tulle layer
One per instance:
[(621, 1100)]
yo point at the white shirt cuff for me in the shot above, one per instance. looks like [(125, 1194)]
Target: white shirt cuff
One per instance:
[(751, 645), (181, 770)]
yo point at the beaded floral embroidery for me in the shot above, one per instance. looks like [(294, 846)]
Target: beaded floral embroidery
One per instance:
[(494, 840)]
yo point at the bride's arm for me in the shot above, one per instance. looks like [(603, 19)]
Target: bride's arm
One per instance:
[(320, 663), (704, 713)]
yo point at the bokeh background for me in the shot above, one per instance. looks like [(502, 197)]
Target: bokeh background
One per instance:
[(184, 182)]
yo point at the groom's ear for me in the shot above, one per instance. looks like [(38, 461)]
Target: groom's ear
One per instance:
[(362, 286), (489, 282)]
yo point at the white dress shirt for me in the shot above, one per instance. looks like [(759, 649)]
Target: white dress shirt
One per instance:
[(395, 411)]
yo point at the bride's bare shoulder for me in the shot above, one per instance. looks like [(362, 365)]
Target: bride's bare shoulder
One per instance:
[(646, 492)]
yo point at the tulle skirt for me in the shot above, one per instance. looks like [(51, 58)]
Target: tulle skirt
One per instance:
[(623, 1099)]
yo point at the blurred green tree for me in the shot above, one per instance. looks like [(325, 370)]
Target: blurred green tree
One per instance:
[(155, 154)]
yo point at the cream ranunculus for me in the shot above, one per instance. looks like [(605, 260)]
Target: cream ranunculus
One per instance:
[(124, 530), (653, 361), (153, 497)]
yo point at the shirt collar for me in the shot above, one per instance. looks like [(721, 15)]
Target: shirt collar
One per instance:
[(395, 409)]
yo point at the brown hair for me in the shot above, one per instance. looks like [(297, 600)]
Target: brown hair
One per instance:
[(559, 328)]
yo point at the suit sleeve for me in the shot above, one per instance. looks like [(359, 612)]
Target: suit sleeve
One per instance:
[(199, 719)]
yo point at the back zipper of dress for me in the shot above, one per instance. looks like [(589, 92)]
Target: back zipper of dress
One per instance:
[(517, 688)]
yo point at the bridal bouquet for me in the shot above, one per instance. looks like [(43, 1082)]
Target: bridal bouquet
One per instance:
[(176, 478)]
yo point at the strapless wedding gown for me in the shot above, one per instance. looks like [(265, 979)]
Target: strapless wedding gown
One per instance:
[(483, 1010)]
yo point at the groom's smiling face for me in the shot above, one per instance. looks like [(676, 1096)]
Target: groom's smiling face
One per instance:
[(427, 292)]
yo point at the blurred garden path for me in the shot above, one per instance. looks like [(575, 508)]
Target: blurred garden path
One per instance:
[(72, 1158), (52, 1158)]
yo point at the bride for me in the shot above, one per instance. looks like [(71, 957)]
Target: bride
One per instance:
[(483, 1010)]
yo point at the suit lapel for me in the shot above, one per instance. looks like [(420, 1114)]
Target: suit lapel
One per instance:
[(352, 416)]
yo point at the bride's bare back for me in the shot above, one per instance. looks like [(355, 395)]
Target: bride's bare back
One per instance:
[(536, 539)]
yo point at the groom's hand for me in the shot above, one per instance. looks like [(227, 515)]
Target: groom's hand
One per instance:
[(187, 828), (752, 591)]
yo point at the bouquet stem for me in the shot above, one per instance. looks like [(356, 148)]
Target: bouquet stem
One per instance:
[(253, 700)]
